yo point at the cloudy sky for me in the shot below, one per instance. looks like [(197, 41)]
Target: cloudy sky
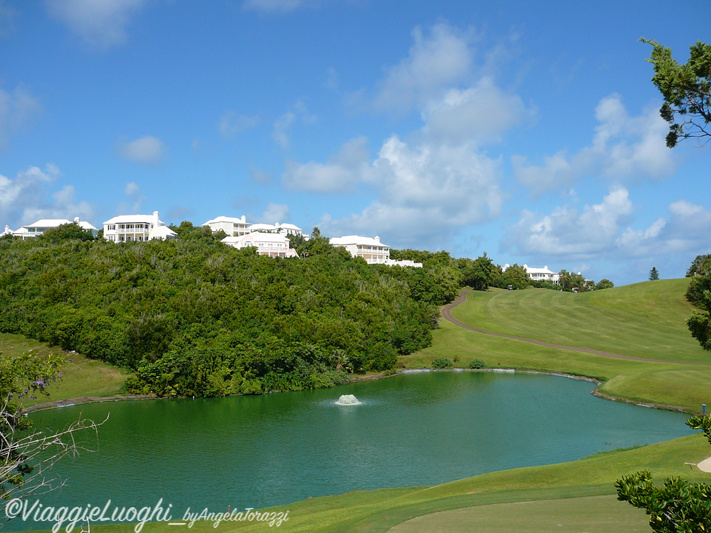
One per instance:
[(526, 130)]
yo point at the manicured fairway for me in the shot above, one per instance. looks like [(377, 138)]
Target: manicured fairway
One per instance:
[(642, 320), (601, 514)]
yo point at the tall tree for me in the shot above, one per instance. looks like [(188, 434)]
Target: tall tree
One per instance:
[(654, 274), (686, 90)]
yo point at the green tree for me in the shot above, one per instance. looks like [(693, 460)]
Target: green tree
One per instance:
[(604, 284), (653, 274), (26, 454), (516, 276), (700, 266), (64, 232), (686, 89), (675, 506), (570, 281)]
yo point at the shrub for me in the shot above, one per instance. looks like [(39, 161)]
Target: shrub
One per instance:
[(476, 363), (442, 362)]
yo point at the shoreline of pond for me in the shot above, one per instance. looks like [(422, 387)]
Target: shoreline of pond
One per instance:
[(372, 377)]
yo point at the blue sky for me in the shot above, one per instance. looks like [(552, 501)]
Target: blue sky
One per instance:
[(526, 130)]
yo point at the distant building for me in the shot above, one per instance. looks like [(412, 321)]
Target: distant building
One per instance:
[(7, 231), (269, 244), (540, 274), (38, 228), (139, 228), (371, 249), (233, 227), (285, 229)]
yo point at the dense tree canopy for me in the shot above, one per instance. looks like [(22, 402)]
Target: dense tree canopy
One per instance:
[(686, 89), (196, 317), (699, 294)]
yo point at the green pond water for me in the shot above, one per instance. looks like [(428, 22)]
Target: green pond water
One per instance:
[(417, 429)]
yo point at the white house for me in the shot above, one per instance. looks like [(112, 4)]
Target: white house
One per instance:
[(7, 231), (371, 249), (38, 228), (270, 244), (233, 227), (285, 229), (126, 228), (540, 274), (403, 263)]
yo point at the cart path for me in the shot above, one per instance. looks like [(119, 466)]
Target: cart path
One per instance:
[(447, 315)]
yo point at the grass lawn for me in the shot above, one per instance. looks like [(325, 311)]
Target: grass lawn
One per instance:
[(642, 320), (82, 377)]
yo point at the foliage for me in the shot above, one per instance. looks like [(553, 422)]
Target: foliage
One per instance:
[(604, 284), (653, 274), (699, 294), (700, 266), (477, 363), (25, 454), (480, 273), (516, 276), (686, 90), (676, 506), (63, 232), (196, 317), (570, 281), (442, 362)]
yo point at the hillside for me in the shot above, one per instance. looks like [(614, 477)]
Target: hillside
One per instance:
[(645, 320)]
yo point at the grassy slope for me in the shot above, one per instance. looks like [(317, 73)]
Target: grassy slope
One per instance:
[(81, 377), (642, 320)]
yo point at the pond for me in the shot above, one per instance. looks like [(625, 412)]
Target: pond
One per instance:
[(417, 429)]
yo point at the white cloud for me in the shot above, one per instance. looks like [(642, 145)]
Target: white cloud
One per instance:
[(283, 124), (272, 6), (147, 150), (272, 214), (424, 193), (624, 149), (18, 109), (605, 230), (435, 61), (98, 22), (231, 123), (347, 168), (134, 200), (480, 113), (24, 199), (569, 231)]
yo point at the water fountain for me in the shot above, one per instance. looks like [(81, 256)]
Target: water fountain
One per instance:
[(348, 399)]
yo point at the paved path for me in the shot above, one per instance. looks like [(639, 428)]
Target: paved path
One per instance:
[(447, 315)]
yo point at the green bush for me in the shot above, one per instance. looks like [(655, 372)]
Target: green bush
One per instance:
[(442, 362), (477, 363)]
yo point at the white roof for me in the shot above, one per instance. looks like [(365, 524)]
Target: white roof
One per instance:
[(233, 220), (7, 231), (124, 219), (264, 237), (48, 223), (533, 270), (83, 224), (358, 240), (161, 231), (288, 226), (258, 227)]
